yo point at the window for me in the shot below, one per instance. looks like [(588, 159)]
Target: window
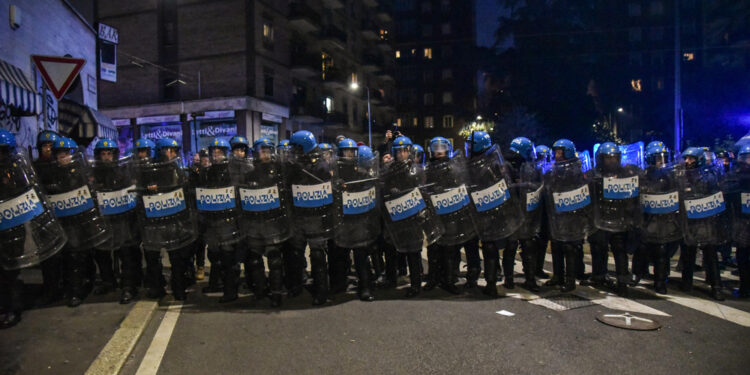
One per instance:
[(635, 58), (656, 34), (328, 103), (429, 123), (657, 58), (398, 54), (415, 121), (268, 35), (268, 82), (447, 74), (634, 34), (447, 97), (634, 10), (426, 7), (427, 76), (656, 8), (635, 84), (413, 51), (429, 99), (688, 56), (398, 122), (426, 30), (354, 78), (428, 53), (445, 28), (447, 121), (446, 52), (327, 63), (660, 83)]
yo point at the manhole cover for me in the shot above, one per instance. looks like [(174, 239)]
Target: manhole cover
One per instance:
[(627, 321), (569, 301)]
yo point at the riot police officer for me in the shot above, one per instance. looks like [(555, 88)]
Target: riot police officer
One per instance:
[(357, 214), (409, 219), (660, 228), (705, 221), (527, 178), (72, 196), (312, 206), (29, 233), (616, 210), (166, 216), (569, 212), (446, 187), (115, 186), (738, 195), (544, 162)]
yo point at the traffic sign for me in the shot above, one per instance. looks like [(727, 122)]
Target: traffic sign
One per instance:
[(58, 73)]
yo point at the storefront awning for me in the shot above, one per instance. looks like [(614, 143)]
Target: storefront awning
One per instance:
[(17, 92), (82, 121)]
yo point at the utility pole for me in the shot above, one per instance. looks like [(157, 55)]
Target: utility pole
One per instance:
[(677, 79)]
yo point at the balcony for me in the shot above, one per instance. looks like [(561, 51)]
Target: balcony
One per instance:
[(385, 45), (385, 76), (333, 4), (383, 12), (333, 37), (308, 110), (305, 64), (335, 78), (303, 18), (372, 62), (369, 30)]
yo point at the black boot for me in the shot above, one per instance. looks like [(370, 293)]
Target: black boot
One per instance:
[(75, 270), (11, 291), (275, 276), (528, 257), (433, 268), (362, 265), (687, 260), (257, 272), (52, 289), (661, 268), (490, 276), (319, 273), (713, 274), (571, 259), (177, 278), (472, 275), (154, 275), (231, 272), (743, 268), (509, 261), (415, 274), (448, 259), (338, 269), (215, 278), (621, 265)]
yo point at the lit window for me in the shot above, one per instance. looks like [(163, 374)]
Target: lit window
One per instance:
[(415, 121), (635, 84), (688, 56), (413, 51), (429, 122), (447, 97), (328, 103), (268, 32), (398, 122), (354, 78), (428, 53), (398, 54), (659, 84), (447, 121)]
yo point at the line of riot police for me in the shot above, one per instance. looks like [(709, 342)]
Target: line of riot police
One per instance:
[(69, 214)]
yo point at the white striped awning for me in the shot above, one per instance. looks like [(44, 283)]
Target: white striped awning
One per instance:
[(81, 121), (17, 92)]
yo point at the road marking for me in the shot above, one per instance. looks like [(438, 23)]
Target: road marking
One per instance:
[(114, 354), (155, 353)]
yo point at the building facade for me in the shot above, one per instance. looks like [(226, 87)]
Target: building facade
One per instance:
[(436, 78), (199, 69)]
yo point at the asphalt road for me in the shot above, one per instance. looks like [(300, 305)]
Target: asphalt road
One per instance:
[(435, 333)]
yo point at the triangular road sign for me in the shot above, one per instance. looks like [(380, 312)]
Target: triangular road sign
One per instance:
[(58, 72)]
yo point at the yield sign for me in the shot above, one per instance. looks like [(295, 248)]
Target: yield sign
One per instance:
[(58, 72)]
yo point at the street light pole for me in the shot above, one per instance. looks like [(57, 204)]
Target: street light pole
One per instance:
[(369, 118)]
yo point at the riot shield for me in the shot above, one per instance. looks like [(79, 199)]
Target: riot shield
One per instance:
[(568, 200), (312, 196), (117, 199), (217, 206), (616, 198), (166, 213), (409, 218), (446, 188), (496, 200), (585, 158), (29, 232), (264, 200), (529, 185), (660, 203), (71, 194), (705, 219), (737, 187), (357, 219)]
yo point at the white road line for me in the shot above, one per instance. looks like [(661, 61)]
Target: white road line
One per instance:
[(152, 360), (113, 356)]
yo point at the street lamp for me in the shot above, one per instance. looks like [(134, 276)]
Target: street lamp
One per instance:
[(354, 86), (620, 109)]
